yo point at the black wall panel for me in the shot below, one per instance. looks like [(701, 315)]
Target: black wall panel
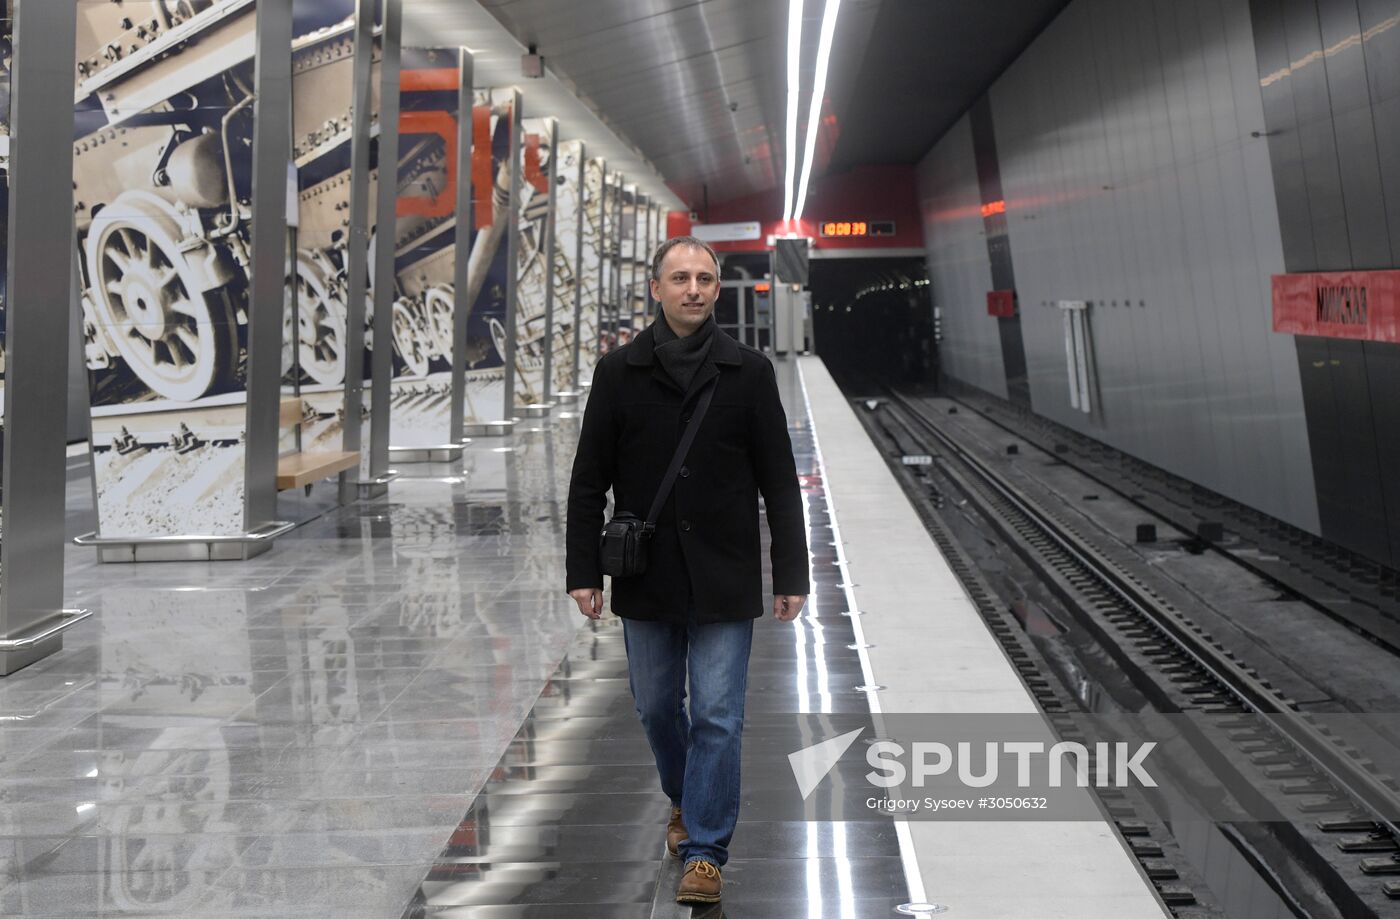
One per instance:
[(1330, 75), (984, 150)]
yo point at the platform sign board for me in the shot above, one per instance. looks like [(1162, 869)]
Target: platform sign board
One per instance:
[(1359, 305), (164, 231), (425, 246), (493, 120), (315, 314), (592, 268)]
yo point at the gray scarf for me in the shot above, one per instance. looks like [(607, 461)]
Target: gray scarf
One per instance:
[(682, 358)]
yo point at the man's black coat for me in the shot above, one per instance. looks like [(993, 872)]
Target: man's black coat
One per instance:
[(707, 538)]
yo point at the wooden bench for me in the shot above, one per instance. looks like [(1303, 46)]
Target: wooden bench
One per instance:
[(302, 469)]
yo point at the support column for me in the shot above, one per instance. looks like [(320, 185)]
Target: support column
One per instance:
[(272, 154), (39, 274), (386, 209), (512, 257), (466, 231), (357, 246)]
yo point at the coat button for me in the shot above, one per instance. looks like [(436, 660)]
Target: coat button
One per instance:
[(685, 419), (685, 525), (685, 472)]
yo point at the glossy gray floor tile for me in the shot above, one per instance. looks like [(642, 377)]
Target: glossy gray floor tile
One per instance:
[(396, 712), (571, 821)]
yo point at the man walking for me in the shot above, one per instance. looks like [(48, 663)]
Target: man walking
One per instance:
[(691, 611)]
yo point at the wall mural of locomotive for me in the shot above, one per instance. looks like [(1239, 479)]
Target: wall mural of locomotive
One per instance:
[(162, 196), (590, 267), (544, 314), (162, 181), (6, 34), (425, 246), (315, 311), (494, 117)]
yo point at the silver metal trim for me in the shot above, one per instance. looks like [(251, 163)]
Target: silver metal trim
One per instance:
[(489, 428), (537, 410), (435, 453), (45, 629), (378, 480), (264, 533)]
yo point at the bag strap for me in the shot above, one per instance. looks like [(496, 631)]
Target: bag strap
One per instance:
[(670, 480)]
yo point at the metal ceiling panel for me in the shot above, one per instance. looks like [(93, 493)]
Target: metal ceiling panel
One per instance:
[(697, 88)]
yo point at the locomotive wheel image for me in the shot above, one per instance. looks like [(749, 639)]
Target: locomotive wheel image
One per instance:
[(320, 324), (411, 337), (438, 300), (171, 326)]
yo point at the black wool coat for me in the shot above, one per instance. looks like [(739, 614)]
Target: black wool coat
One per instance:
[(706, 542)]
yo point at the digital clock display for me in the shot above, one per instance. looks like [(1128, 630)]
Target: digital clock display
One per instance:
[(857, 228)]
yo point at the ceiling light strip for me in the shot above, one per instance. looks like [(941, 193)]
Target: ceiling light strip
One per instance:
[(794, 60), (818, 92)]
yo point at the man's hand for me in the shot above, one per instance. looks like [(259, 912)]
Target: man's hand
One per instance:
[(589, 600), (785, 609)]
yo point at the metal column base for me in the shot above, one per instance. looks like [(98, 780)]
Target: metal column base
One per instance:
[(539, 410), (120, 549), (568, 397), (489, 428), (438, 453), (38, 640), (376, 487)]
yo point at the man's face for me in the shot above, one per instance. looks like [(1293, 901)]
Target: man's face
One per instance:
[(688, 288)]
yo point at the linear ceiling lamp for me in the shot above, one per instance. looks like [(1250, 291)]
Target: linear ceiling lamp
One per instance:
[(794, 59), (818, 92)]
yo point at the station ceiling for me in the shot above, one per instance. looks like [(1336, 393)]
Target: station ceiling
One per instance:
[(698, 87)]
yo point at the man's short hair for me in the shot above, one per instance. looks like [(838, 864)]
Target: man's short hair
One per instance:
[(672, 243)]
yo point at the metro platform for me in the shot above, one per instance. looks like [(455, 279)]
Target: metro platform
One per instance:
[(398, 712)]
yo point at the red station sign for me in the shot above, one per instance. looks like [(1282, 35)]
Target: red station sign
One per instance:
[(1361, 305)]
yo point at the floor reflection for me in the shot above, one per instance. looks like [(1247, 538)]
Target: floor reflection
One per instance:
[(400, 700), (569, 822)]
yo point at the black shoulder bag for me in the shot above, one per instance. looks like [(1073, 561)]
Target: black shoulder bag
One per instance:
[(622, 548)]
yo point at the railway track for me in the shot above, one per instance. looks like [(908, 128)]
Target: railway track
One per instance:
[(1334, 853)]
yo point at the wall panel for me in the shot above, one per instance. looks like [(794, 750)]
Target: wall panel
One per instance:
[(1136, 178)]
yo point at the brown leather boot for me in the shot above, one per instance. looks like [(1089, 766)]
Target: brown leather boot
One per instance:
[(676, 833), (700, 884)]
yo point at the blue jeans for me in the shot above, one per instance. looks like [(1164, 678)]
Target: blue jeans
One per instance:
[(697, 755)]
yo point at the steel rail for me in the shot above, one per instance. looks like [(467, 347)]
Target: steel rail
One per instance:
[(1369, 790)]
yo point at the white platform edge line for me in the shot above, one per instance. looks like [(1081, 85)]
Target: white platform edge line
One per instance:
[(913, 876)]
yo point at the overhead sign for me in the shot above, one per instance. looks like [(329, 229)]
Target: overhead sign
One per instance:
[(1339, 304), (726, 232), (856, 228)]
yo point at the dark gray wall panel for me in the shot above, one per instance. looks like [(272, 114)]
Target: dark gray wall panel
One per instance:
[(951, 205), (1329, 76), (1130, 139), (1355, 136), (1381, 48)]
